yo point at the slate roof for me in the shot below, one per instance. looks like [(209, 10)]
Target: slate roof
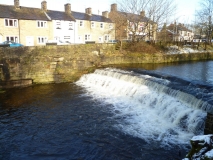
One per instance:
[(25, 13), (136, 17), (93, 17), (60, 15), (179, 27)]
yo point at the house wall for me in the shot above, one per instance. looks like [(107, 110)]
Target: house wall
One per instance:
[(24, 29), (8, 30), (28, 28), (96, 33), (120, 25), (65, 31)]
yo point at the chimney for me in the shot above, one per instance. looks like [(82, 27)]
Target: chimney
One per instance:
[(113, 7), (88, 11), (105, 14), (67, 8), (142, 13), (44, 5), (16, 4)]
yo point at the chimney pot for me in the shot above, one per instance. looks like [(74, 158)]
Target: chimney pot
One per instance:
[(105, 14), (67, 8), (114, 7), (88, 11), (16, 4), (44, 5), (142, 13)]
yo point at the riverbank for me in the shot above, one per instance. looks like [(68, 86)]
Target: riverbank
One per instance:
[(58, 64)]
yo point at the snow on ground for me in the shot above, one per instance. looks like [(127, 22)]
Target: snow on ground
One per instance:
[(186, 49), (206, 139), (209, 154)]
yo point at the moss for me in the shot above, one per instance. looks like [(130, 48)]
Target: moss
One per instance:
[(2, 91)]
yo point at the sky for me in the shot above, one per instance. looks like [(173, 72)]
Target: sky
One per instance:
[(185, 8)]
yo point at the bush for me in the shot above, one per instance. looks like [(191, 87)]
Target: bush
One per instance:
[(144, 47)]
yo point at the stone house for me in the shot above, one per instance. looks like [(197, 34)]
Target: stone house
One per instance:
[(64, 26), (132, 26), (94, 28), (29, 26), (34, 26), (179, 32)]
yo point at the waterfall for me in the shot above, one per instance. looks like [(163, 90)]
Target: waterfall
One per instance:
[(146, 106)]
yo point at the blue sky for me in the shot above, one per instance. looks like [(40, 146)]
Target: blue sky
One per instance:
[(185, 7)]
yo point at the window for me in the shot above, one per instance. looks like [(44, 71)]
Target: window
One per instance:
[(100, 39), (81, 23), (12, 38), (92, 24), (58, 24), (101, 25), (87, 37), (70, 26), (42, 40), (106, 37), (110, 26), (41, 24), (66, 38), (11, 22)]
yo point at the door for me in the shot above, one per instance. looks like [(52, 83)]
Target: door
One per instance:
[(29, 41)]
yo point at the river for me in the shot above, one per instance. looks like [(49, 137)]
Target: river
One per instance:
[(137, 112)]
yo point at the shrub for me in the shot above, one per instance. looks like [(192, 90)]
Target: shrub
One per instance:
[(144, 47)]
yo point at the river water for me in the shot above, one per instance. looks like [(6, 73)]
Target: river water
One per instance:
[(137, 112)]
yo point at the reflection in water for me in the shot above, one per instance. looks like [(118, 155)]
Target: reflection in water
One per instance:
[(192, 71)]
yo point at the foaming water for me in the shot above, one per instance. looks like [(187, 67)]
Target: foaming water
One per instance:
[(146, 107)]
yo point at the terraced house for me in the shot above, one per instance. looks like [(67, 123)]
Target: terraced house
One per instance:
[(29, 26), (94, 28), (132, 26), (35, 26)]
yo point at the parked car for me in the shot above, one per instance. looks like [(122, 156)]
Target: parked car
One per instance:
[(11, 44), (113, 41), (57, 42)]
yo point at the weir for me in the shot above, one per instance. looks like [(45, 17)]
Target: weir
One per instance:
[(168, 106)]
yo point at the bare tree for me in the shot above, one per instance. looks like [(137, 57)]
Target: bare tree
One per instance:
[(204, 18), (145, 16)]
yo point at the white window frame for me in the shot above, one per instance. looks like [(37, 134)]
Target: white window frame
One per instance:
[(12, 38), (106, 37), (81, 23), (101, 25), (67, 38), (87, 37), (80, 39), (92, 24), (41, 39), (58, 24), (100, 39), (7, 22), (110, 26), (70, 25), (41, 24)]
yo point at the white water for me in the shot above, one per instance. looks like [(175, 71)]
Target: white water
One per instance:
[(142, 107)]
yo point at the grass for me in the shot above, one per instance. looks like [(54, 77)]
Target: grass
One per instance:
[(1, 91)]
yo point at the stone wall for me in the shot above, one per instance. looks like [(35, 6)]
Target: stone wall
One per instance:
[(209, 124), (57, 64)]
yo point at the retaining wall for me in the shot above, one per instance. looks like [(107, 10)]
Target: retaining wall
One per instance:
[(57, 64)]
